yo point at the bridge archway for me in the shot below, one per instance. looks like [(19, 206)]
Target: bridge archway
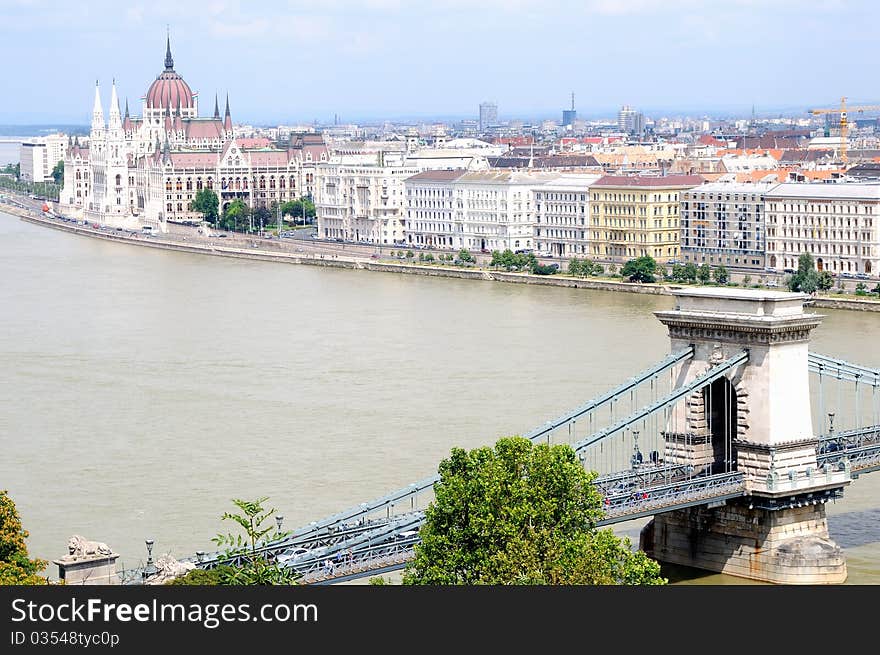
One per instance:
[(720, 402)]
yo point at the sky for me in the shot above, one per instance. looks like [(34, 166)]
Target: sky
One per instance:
[(301, 61)]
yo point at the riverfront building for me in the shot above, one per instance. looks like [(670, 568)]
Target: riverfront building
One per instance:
[(39, 156), (637, 215), (722, 223), (562, 216), (146, 170), (361, 201), (839, 224)]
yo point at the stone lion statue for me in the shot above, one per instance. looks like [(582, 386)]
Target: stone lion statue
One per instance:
[(78, 546), (168, 568)]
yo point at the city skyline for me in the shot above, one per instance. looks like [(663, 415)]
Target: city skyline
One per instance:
[(374, 59)]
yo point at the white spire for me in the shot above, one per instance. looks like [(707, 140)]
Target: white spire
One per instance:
[(97, 112), (115, 115)]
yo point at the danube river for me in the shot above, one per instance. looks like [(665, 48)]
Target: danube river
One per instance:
[(141, 390)]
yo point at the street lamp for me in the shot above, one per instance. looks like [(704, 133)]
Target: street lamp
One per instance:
[(150, 568)]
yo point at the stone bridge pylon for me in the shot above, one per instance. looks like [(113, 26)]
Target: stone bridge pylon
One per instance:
[(757, 420)]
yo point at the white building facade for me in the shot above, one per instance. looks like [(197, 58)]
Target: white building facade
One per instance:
[(39, 156), (361, 202), (838, 224), (562, 216), (146, 170)]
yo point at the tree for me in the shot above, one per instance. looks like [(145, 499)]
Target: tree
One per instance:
[(825, 281), (262, 217), (861, 289), (302, 210), (257, 570), (16, 568), (207, 204), (704, 273), (237, 213), (521, 513), (465, 256), (806, 280), (689, 273), (720, 275), (640, 270), (58, 172), (747, 280)]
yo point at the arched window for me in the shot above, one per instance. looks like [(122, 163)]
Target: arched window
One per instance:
[(198, 184), (210, 183), (292, 182), (180, 206), (189, 184), (237, 183), (245, 184), (168, 185), (118, 180), (179, 185), (272, 182), (168, 207), (262, 182), (78, 175)]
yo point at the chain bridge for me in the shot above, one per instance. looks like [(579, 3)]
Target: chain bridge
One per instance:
[(716, 442)]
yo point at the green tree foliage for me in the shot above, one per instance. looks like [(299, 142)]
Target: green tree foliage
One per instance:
[(236, 216), (582, 267), (410, 254), (207, 204), (510, 261), (465, 256), (704, 273), (16, 568), (861, 289), (262, 217), (521, 513), (301, 210), (257, 570), (642, 269), (721, 275), (806, 280), (689, 273), (825, 281), (542, 269), (747, 280), (219, 575), (58, 172)]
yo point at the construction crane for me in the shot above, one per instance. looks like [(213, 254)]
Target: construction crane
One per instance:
[(844, 123)]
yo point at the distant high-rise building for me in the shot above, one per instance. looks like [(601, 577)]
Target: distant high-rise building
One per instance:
[(488, 114), (569, 115), (630, 121)]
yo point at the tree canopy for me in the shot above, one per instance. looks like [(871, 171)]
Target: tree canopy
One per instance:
[(642, 269), (807, 279), (521, 513), (300, 210), (206, 203), (16, 568), (58, 172)]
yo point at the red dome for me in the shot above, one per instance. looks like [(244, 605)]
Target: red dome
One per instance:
[(169, 90)]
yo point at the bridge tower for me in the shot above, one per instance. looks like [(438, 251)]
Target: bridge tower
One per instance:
[(757, 419)]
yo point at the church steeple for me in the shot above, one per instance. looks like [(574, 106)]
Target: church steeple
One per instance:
[(97, 114), (227, 119), (169, 60), (216, 108)]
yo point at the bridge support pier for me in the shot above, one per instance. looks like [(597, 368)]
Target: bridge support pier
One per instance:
[(757, 421), (787, 546)]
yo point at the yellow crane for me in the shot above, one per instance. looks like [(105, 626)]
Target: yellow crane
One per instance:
[(844, 123)]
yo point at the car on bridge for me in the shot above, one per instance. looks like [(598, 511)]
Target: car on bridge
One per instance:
[(291, 554)]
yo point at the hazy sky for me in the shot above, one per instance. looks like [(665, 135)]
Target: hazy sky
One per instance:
[(304, 60)]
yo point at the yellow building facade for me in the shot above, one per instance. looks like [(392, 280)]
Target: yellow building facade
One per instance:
[(637, 216)]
